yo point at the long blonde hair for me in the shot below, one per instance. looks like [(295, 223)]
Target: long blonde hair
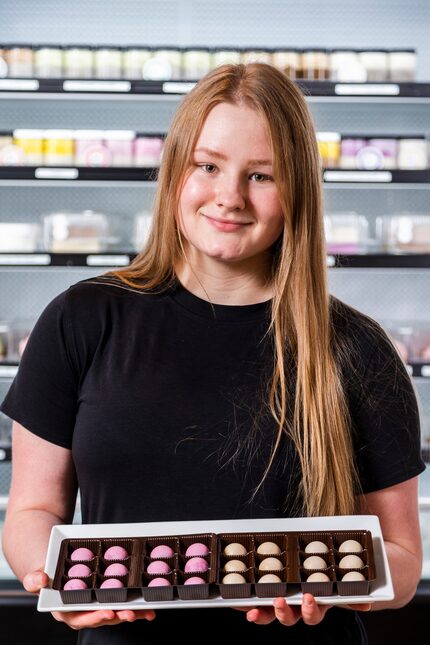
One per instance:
[(317, 420)]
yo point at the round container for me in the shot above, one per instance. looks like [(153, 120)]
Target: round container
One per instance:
[(257, 56), (315, 65), (108, 62), (163, 64), (388, 148), (402, 64), (5, 140), (90, 149), (31, 143), (58, 148), (226, 56), (20, 59), (196, 63), (133, 61), (288, 61), (349, 149), (78, 62), (346, 66), (412, 153), (119, 143), (375, 62), (4, 68), (19, 237), (147, 151), (48, 61)]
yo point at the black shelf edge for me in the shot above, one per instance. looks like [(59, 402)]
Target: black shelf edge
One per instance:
[(336, 89), (379, 261), (380, 177), (76, 173), (119, 258), (48, 259), (390, 89)]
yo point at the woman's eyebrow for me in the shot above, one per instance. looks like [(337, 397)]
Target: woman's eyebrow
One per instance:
[(220, 155)]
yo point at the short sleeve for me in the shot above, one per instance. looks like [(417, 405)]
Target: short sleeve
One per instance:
[(385, 418), (43, 395)]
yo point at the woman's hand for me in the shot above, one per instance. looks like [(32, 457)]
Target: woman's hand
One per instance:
[(309, 611), (37, 580)]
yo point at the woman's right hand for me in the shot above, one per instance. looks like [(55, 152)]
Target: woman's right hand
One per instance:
[(37, 580)]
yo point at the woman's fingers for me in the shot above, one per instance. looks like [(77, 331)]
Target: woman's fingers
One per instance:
[(260, 615), (286, 614), (102, 617), (361, 607), (35, 581), (312, 613)]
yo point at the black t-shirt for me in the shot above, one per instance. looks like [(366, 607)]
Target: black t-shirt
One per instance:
[(159, 397)]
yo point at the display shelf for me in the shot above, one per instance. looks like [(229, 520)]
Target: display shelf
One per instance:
[(338, 176), (33, 87), (43, 173), (378, 261), (8, 370), (125, 256), (46, 259)]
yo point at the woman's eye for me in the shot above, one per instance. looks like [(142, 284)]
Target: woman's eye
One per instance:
[(259, 177), (208, 167)]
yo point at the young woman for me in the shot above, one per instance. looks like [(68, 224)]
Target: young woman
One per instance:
[(215, 377)]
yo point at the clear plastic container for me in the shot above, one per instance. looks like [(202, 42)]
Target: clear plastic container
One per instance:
[(402, 336), (346, 233), (4, 340), (404, 233), (142, 226), (329, 148), (85, 232), (20, 330), (19, 237)]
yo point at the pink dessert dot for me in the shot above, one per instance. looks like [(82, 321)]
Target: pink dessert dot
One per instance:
[(195, 580), (158, 566), (79, 571), (82, 554), (196, 564), (111, 583), (162, 551), (159, 582), (197, 549), (115, 553), (116, 569), (75, 584)]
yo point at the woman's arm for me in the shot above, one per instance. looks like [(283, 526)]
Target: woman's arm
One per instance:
[(397, 509), (42, 494)]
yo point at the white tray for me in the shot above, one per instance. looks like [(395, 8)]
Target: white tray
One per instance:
[(381, 589)]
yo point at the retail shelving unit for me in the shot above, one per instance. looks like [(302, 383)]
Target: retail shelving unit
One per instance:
[(391, 288)]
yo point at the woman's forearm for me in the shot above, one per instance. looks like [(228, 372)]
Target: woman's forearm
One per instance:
[(25, 539), (405, 568)]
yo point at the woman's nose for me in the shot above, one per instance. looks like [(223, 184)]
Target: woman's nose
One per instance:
[(230, 193)]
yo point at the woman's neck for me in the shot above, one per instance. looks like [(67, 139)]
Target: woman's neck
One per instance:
[(224, 284)]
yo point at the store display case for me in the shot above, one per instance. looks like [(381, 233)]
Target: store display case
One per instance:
[(60, 223)]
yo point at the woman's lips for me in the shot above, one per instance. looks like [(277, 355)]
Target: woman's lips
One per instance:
[(225, 225)]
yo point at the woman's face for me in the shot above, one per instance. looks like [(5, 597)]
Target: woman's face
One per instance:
[(229, 209)]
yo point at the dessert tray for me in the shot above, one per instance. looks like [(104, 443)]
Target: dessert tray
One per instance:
[(283, 548)]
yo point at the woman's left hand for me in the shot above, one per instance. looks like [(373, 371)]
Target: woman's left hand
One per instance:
[(309, 611)]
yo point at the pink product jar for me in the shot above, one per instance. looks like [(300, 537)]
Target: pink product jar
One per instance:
[(387, 147), (349, 148), (147, 151), (119, 143), (90, 150)]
